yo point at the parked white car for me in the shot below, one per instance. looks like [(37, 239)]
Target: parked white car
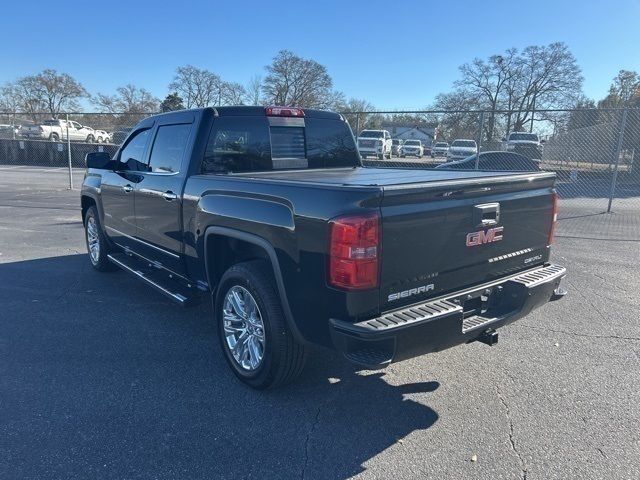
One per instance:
[(103, 136), (439, 149), (56, 130), (396, 144), (527, 144), (10, 131), (375, 142), (460, 149), (412, 148)]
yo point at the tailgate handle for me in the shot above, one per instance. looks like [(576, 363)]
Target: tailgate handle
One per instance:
[(486, 215)]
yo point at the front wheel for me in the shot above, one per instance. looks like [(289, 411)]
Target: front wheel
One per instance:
[(97, 245), (255, 338), (54, 137), (90, 139)]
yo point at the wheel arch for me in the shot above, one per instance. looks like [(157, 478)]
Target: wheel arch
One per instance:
[(86, 202), (234, 246)]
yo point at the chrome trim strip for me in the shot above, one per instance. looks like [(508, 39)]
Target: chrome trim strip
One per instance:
[(118, 232), (152, 263), (176, 296), (510, 255)]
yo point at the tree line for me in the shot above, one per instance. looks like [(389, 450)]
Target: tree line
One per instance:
[(521, 83)]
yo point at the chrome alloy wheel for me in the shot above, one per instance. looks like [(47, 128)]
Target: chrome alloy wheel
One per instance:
[(243, 328), (93, 239)]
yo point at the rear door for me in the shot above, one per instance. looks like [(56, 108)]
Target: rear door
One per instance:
[(158, 195), (438, 239)]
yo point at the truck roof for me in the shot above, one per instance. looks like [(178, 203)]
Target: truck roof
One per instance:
[(242, 110)]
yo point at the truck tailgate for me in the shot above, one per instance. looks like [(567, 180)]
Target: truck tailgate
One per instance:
[(443, 236)]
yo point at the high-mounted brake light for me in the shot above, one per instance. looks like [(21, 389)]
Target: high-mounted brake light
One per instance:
[(284, 112), (354, 249), (554, 217)]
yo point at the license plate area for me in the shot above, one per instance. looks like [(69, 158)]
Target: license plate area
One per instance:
[(480, 302)]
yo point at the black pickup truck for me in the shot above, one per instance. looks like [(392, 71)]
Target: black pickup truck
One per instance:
[(270, 212)]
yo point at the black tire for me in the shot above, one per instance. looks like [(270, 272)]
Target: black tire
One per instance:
[(54, 137), (284, 357), (101, 263), (381, 156), (90, 139)]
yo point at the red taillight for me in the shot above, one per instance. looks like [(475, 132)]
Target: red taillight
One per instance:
[(284, 112), (354, 249), (554, 217)]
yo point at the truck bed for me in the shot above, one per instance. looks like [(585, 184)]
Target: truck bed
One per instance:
[(386, 177)]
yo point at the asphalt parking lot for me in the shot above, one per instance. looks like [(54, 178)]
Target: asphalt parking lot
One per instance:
[(102, 377)]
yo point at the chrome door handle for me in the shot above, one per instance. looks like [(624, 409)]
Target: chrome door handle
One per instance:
[(127, 188), (169, 196)]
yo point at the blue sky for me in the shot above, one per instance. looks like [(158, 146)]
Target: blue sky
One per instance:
[(396, 54)]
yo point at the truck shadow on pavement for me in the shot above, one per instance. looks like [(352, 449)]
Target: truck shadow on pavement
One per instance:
[(100, 376)]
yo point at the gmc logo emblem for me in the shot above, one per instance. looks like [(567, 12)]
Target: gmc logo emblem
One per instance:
[(481, 237)]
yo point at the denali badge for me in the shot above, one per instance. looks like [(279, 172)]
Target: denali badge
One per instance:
[(478, 238), (410, 292), (532, 259)]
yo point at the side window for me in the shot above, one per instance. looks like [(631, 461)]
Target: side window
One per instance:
[(76, 125), (238, 144), (132, 154), (168, 148)]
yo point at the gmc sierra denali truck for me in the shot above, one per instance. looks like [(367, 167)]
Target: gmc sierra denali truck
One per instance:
[(270, 212)]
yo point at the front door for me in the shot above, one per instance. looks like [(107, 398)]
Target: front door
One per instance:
[(159, 196), (118, 190)]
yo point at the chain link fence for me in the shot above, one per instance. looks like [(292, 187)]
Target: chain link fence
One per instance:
[(594, 152)]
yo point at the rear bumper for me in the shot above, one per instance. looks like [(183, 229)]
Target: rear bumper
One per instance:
[(457, 318)]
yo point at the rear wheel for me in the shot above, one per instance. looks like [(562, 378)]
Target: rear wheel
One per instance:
[(54, 137), (90, 139), (254, 336)]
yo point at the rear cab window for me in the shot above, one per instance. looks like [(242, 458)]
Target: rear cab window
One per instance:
[(240, 144)]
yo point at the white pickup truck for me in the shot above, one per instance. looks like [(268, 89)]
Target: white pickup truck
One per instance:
[(375, 142), (56, 130), (527, 144)]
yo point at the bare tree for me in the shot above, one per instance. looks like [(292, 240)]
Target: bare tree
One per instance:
[(9, 98), (128, 99), (538, 78), (254, 91), (462, 119), (199, 88), (48, 91), (488, 79), (548, 77), (297, 82), (357, 113), (232, 93)]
